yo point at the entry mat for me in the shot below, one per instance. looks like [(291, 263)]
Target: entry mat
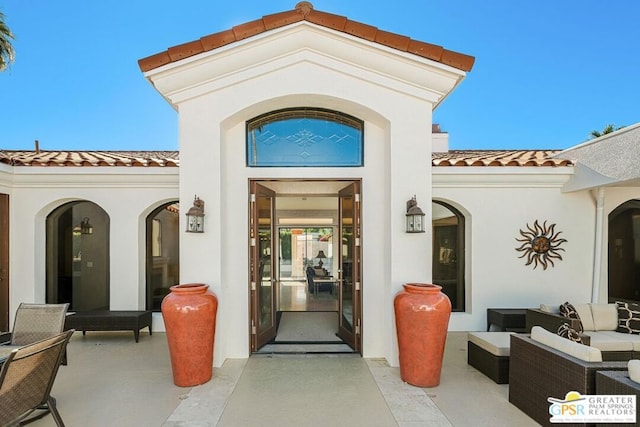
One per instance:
[(308, 326), (304, 348)]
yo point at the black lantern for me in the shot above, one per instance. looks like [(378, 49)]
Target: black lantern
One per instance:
[(195, 217), (85, 226), (415, 217)]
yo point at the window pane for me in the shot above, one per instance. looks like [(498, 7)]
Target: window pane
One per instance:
[(304, 137), (163, 253), (448, 252)]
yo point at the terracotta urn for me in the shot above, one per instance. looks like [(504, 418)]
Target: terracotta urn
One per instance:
[(189, 313), (422, 318)]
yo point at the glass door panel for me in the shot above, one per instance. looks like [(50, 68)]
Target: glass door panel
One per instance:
[(263, 311), (349, 301)]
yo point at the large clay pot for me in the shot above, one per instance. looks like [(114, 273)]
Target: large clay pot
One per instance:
[(189, 313), (422, 318)]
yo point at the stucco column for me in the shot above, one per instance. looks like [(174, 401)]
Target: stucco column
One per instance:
[(410, 174), (200, 166)]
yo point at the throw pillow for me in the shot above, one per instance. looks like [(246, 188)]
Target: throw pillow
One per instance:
[(628, 317), (569, 311), (566, 331)]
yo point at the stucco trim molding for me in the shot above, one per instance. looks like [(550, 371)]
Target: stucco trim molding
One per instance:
[(503, 177)]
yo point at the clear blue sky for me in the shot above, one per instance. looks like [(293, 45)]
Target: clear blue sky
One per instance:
[(547, 72)]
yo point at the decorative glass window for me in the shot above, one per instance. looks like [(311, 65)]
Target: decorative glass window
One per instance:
[(304, 137)]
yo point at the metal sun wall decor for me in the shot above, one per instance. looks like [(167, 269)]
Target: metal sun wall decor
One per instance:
[(540, 244)]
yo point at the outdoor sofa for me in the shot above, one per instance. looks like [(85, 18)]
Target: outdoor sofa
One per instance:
[(544, 365), (601, 325)]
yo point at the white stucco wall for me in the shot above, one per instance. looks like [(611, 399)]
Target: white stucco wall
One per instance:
[(392, 92), (497, 203), (127, 195)]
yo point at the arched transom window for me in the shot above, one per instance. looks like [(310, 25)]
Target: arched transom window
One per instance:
[(304, 137)]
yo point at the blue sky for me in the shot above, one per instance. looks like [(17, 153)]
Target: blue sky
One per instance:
[(547, 72)]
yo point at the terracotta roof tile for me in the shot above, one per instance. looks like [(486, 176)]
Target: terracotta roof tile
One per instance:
[(249, 29), (90, 158), (499, 158), (304, 12), (281, 19), (426, 50), (185, 50), (364, 31), (214, 41), (456, 158), (328, 20)]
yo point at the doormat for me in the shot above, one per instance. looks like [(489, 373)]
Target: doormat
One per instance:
[(305, 348), (308, 326)]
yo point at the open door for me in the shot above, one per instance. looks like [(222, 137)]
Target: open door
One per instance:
[(261, 274), (349, 325), (4, 262)]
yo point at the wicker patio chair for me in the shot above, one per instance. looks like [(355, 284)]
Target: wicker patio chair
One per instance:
[(35, 322), (26, 379)]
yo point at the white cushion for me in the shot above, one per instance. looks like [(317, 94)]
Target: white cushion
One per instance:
[(496, 343), (580, 351), (550, 308), (584, 311), (605, 317), (610, 341), (620, 336), (634, 370)]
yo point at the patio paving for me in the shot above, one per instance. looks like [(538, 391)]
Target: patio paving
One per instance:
[(111, 380)]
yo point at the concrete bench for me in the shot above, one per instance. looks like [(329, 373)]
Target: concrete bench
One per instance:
[(109, 321), (488, 352)]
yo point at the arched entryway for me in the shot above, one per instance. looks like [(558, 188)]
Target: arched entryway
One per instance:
[(78, 256), (624, 251)]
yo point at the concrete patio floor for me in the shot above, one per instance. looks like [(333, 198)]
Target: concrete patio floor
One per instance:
[(111, 380)]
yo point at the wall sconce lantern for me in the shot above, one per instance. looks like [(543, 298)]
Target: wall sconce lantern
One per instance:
[(195, 217), (415, 217), (85, 226)]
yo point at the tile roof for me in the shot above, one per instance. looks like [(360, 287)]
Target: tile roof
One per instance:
[(304, 12), (171, 158), (498, 158), (90, 158)]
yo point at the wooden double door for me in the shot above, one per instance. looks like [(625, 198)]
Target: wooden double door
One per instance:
[(262, 266)]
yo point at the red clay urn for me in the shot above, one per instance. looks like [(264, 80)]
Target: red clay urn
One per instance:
[(189, 313), (422, 318)]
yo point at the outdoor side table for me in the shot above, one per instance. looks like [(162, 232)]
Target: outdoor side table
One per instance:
[(507, 319)]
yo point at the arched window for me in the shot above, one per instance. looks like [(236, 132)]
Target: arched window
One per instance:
[(163, 253), (305, 137), (448, 252), (624, 251), (78, 256)]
